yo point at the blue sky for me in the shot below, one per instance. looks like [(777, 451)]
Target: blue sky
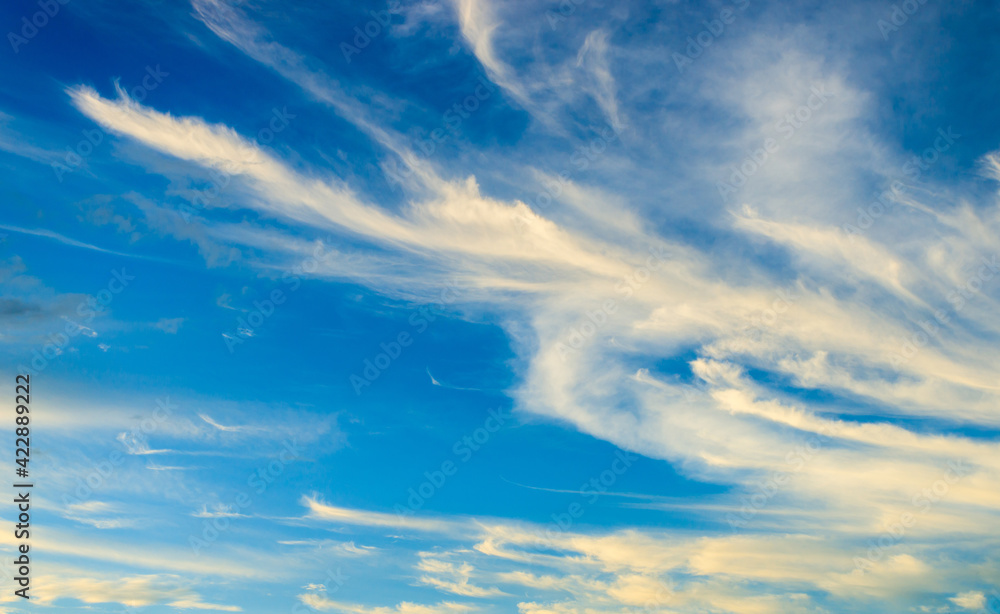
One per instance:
[(482, 306)]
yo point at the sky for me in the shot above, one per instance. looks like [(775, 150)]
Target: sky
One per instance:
[(491, 306)]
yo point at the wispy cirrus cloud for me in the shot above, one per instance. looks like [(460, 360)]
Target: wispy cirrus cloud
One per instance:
[(834, 386)]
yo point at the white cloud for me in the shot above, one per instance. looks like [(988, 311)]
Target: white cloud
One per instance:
[(128, 590), (594, 300), (971, 600), (452, 578), (326, 605)]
